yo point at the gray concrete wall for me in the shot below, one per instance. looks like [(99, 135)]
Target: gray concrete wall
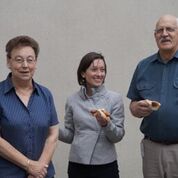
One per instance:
[(66, 30)]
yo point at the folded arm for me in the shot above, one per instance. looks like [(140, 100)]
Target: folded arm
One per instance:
[(114, 129)]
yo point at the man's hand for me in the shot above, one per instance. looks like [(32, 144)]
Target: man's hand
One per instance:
[(140, 108)]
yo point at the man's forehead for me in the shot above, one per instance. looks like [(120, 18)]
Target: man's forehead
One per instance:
[(167, 20)]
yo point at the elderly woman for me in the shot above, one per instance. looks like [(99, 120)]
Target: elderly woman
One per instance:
[(28, 119), (94, 122)]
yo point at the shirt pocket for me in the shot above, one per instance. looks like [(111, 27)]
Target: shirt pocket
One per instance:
[(176, 83), (145, 89), (175, 86)]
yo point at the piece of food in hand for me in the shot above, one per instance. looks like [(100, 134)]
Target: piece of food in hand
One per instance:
[(154, 105), (104, 114)]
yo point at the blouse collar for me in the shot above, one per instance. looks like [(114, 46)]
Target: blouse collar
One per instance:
[(96, 92)]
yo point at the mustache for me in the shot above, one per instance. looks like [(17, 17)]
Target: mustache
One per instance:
[(163, 39)]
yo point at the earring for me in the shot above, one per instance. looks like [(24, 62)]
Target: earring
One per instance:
[(83, 80)]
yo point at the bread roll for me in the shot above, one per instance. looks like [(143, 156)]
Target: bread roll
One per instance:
[(104, 114), (154, 105)]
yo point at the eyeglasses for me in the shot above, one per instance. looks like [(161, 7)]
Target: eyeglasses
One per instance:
[(168, 30), (20, 60)]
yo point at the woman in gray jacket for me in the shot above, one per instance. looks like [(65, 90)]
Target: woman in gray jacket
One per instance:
[(92, 137)]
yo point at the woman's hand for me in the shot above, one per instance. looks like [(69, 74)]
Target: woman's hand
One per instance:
[(30, 176), (37, 169), (101, 116)]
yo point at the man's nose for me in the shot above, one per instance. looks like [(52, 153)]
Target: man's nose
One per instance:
[(165, 33)]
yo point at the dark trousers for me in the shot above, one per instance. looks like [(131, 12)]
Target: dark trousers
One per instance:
[(76, 170)]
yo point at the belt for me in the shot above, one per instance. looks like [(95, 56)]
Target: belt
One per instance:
[(160, 141)]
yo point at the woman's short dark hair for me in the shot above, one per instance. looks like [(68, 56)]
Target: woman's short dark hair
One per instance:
[(20, 41), (85, 63)]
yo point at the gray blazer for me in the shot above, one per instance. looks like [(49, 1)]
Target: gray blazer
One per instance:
[(91, 143)]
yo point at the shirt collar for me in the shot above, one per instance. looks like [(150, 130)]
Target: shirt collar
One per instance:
[(176, 55), (157, 57), (9, 85)]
